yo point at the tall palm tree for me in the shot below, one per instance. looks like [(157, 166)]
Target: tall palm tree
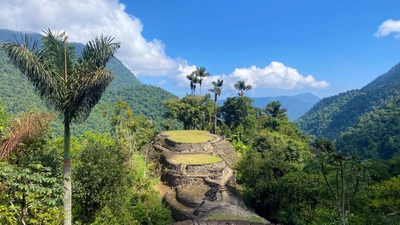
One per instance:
[(193, 80), (217, 93), (72, 85), (274, 110), (201, 74), (241, 87)]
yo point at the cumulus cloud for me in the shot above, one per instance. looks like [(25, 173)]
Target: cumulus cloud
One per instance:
[(387, 27), (83, 20), (274, 76)]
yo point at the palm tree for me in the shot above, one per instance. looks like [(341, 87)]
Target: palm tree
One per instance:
[(274, 110), (72, 85), (200, 73), (193, 80), (241, 87), (217, 93)]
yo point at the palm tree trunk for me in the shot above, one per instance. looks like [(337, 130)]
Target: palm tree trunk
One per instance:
[(67, 175)]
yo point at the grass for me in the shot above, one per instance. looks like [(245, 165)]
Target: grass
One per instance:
[(188, 136), (190, 159), (233, 217)]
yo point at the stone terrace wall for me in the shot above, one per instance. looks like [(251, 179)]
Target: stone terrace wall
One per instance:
[(206, 168), (217, 222), (226, 151), (188, 147)]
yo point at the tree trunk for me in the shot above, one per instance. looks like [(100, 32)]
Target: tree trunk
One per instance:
[(67, 175)]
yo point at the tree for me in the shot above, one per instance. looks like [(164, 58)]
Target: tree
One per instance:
[(217, 93), (274, 110), (241, 87), (235, 110), (195, 112), (29, 195), (343, 175), (72, 85), (193, 81), (201, 74)]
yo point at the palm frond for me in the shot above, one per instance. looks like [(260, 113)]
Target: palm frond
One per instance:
[(99, 51), (31, 62), (85, 93)]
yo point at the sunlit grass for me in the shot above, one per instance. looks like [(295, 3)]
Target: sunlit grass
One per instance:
[(189, 159), (188, 136)]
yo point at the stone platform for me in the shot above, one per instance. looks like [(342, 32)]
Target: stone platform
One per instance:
[(201, 191)]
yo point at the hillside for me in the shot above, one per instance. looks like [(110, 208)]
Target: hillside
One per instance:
[(296, 105), (18, 94), (360, 120)]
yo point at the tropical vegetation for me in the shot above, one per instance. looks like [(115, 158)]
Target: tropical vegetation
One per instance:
[(338, 164)]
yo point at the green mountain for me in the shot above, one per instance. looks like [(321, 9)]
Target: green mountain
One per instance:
[(296, 105), (364, 121), (19, 95)]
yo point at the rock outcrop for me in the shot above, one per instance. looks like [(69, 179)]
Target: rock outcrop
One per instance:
[(201, 191)]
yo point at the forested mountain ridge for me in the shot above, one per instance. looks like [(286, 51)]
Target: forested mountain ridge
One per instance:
[(358, 112), (19, 95), (296, 105)]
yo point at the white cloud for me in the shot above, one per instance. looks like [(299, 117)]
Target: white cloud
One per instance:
[(274, 76), (387, 27), (85, 19)]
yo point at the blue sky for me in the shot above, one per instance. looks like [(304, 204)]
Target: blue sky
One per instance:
[(280, 47)]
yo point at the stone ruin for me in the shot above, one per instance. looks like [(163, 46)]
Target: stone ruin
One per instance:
[(200, 191)]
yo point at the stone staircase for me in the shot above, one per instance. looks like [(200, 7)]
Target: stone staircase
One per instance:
[(201, 191)]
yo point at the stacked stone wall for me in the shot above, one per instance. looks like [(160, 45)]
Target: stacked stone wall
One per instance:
[(225, 150), (214, 168), (187, 147)]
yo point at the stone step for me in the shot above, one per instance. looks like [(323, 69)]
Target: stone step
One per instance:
[(191, 196), (179, 210)]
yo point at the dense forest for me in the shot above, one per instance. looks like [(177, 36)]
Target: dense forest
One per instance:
[(285, 175), (363, 122)]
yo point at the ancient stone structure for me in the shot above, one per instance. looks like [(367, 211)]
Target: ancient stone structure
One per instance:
[(199, 192)]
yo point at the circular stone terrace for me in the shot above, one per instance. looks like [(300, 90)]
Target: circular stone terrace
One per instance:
[(188, 136), (191, 147)]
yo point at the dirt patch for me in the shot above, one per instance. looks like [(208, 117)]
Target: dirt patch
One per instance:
[(161, 188)]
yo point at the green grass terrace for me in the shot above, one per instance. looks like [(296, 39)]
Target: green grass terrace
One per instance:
[(194, 159), (188, 136)]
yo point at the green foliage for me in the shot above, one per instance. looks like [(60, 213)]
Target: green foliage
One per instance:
[(30, 195), (110, 185), (241, 87), (274, 110), (360, 120), (195, 112), (385, 206), (236, 110), (3, 119), (376, 135), (98, 173)]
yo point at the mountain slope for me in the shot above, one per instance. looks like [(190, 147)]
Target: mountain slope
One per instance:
[(296, 105), (360, 120), (19, 95)]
